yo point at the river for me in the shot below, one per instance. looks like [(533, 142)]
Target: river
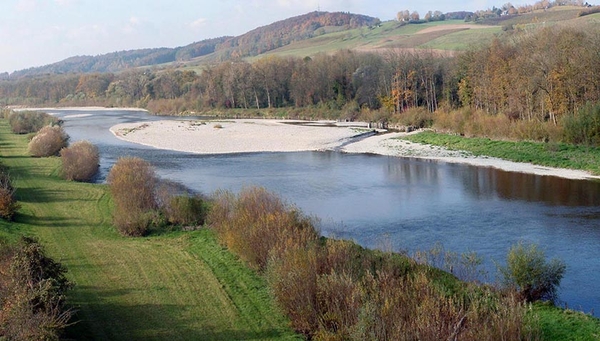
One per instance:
[(402, 203)]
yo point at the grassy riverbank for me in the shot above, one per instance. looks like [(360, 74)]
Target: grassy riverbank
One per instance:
[(557, 155), (178, 286), (173, 286)]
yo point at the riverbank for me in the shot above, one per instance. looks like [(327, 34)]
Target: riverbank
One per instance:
[(25, 108), (169, 286), (248, 135)]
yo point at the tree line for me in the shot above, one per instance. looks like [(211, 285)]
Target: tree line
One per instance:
[(537, 77)]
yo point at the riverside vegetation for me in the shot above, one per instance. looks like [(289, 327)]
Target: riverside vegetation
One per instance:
[(176, 285), (169, 285), (133, 288)]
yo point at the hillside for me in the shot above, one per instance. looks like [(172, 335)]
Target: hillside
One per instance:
[(320, 32), (255, 42)]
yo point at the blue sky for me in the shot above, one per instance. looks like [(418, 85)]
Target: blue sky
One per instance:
[(40, 32)]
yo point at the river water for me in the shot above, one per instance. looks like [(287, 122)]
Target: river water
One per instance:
[(403, 203)]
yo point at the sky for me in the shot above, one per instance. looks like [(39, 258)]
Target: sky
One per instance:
[(40, 32)]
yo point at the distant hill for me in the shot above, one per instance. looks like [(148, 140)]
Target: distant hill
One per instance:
[(117, 61), (284, 32), (321, 32), (255, 42)]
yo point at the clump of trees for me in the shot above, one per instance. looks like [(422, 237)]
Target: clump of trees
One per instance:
[(8, 202), (80, 161), (33, 290), (333, 289)]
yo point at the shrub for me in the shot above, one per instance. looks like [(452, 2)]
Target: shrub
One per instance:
[(25, 122), (531, 275), (80, 161), (257, 223), (185, 210), (583, 128), (48, 141), (8, 202), (32, 293), (414, 117), (132, 183), (179, 207), (336, 290)]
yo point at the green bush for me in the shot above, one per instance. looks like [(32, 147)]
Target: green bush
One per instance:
[(25, 122), (48, 141), (583, 128), (185, 210), (80, 161), (531, 275)]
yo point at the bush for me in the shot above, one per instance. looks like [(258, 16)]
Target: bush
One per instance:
[(185, 210), (80, 161), (583, 128), (8, 202), (48, 141), (528, 272), (336, 290), (25, 122), (32, 293), (132, 183), (257, 223), (417, 117)]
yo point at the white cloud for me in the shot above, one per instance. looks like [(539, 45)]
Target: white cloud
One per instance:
[(199, 23)]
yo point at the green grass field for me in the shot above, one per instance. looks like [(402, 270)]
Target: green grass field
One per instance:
[(391, 35), (175, 286), (558, 155)]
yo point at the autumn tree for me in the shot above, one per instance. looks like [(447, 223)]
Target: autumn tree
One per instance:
[(403, 16), (80, 161), (132, 183), (48, 141)]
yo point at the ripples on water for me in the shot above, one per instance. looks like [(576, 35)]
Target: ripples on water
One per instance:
[(411, 204)]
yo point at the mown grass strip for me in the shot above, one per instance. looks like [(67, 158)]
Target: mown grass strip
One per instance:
[(174, 286), (559, 155)]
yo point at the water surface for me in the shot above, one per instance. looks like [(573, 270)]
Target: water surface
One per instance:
[(406, 203)]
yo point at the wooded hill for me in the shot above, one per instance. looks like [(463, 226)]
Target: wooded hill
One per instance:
[(255, 42)]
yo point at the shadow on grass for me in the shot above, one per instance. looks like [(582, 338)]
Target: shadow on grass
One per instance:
[(98, 317), (42, 195), (32, 220)]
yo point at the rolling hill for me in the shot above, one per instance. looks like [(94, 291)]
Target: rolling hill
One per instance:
[(318, 32), (252, 43)]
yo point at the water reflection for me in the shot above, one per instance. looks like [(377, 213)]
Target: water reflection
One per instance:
[(486, 182)]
